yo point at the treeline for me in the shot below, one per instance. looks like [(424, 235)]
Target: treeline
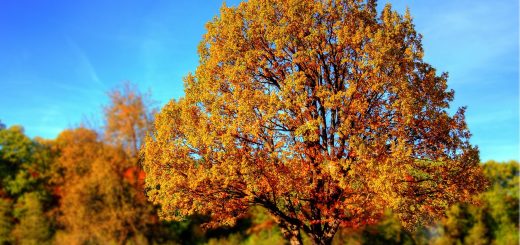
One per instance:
[(87, 187)]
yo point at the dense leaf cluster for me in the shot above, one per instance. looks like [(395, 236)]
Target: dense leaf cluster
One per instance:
[(322, 112)]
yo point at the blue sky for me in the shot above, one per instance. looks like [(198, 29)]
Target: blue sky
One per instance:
[(58, 58)]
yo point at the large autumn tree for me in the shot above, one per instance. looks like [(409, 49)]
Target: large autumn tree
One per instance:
[(322, 112)]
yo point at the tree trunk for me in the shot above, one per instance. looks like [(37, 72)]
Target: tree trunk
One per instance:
[(291, 233), (323, 240), (325, 237)]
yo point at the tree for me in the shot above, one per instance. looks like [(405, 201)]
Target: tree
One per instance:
[(128, 117), (16, 154), (6, 220), (495, 219), (34, 226), (322, 112), (97, 203), (24, 202)]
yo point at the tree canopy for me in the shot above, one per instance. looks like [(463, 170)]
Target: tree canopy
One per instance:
[(322, 112), (100, 178), (128, 117)]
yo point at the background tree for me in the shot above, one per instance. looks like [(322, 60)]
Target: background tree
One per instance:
[(322, 112), (128, 118), (6, 220), (495, 219), (102, 182), (15, 154), (97, 202), (34, 227), (25, 198)]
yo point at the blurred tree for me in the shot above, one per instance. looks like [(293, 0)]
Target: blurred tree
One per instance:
[(322, 112), (16, 152), (495, 219), (128, 118), (97, 203), (263, 228), (388, 231), (456, 225), (33, 227), (24, 189), (6, 221)]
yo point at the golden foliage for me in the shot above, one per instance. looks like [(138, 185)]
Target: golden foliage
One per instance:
[(93, 191), (128, 118), (322, 112)]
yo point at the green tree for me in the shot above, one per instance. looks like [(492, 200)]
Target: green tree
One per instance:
[(24, 191), (495, 219), (33, 226), (6, 220), (16, 152)]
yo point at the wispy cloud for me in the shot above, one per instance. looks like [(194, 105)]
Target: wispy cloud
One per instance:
[(84, 61)]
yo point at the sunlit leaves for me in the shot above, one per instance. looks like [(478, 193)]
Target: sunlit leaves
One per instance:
[(322, 112)]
